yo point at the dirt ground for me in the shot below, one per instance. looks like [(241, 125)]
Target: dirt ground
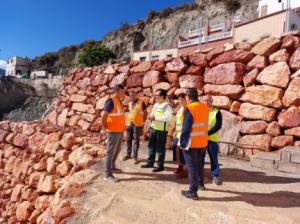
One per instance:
[(247, 195)]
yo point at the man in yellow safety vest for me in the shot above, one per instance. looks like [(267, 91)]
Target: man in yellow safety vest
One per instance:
[(160, 117), (134, 124), (215, 124), (181, 170)]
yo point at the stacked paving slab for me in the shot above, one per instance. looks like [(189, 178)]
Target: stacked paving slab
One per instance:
[(44, 165)]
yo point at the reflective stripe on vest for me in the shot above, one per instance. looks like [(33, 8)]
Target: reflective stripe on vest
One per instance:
[(116, 119), (159, 111), (179, 120), (199, 132), (212, 122), (136, 114)]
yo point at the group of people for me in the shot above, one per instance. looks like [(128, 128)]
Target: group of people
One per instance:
[(196, 131)]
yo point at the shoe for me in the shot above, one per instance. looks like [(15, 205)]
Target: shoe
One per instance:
[(216, 180), (110, 178), (127, 157), (135, 161), (201, 187), (190, 195), (147, 166), (158, 169), (116, 170)]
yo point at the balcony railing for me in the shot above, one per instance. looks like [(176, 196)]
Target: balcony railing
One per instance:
[(193, 33), (209, 38), (217, 27)]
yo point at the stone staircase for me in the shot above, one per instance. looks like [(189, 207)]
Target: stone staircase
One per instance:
[(287, 161)]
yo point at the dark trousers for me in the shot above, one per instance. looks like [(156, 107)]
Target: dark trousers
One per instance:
[(175, 148), (133, 133), (157, 144), (194, 159), (212, 150)]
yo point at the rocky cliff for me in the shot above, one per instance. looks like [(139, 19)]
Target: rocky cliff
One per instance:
[(166, 26)]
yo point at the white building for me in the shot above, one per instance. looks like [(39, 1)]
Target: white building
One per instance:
[(267, 7), (17, 66), (155, 54)]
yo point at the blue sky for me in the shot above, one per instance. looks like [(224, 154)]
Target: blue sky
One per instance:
[(33, 27)]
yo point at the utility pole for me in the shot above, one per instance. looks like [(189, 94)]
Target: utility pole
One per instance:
[(287, 14)]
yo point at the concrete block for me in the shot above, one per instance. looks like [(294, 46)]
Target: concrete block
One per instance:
[(289, 167), (264, 161), (295, 157), (290, 154)]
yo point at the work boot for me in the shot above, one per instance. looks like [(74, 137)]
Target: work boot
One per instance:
[(190, 195), (201, 187), (216, 180), (158, 169), (116, 170), (110, 178), (127, 157), (179, 169), (135, 161), (146, 166)]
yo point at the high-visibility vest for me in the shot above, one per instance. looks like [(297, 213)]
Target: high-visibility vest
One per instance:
[(159, 111), (199, 132), (136, 114), (179, 120), (212, 122), (116, 119)]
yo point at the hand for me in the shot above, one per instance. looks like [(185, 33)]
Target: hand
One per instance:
[(152, 118)]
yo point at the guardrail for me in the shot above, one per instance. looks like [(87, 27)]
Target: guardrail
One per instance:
[(217, 27), (197, 32), (219, 36)]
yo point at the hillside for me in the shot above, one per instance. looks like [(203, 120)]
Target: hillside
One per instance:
[(166, 26)]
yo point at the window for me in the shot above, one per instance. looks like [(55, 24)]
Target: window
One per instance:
[(170, 55), (294, 26), (155, 57), (142, 58)]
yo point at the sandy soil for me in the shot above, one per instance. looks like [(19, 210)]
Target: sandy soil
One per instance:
[(247, 195)]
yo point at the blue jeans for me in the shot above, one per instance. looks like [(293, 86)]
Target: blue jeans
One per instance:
[(194, 159), (181, 157), (212, 150)]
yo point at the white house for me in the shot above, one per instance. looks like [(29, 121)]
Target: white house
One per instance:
[(17, 66), (266, 7)]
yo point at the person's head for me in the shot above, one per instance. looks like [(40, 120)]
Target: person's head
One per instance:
[(191, 95), (133, 96), (181, 99), (208, 100), (160, 95), (119, 91)]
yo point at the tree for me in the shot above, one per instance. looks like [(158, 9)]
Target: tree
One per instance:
[(97, 54)]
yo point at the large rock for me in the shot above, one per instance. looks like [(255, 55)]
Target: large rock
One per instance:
[(173, 77), (194, 70), (47, 184), (24, 211), (100, 80), (243, 46), (232, 56), (161, 85), (158, 66), (110, 70), (250, 78), (151, 78), (253, 127), (78, 98), (231, 91), (293, 132), (266, 46), (86, 108), (289, 118), (263, 95), (273, 129), (278, 56), (235, 106), (230, 131), (214, 53), (62, 118), (261, 141), (135, 80), (295, 60), (141, 68), (198, 60), (277, 75), (290, 42), (292, 94), (176, 65), (257, 112), (281, 141), (259, 62), (221, 102), (230, 73), (119, 79), (191, 81)]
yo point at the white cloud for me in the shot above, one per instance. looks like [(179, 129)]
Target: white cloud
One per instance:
[(2, 64)]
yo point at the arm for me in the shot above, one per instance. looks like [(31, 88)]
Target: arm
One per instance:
[(145, 111), (108, 107), (186, 128), (104, 120), (218, 124)]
